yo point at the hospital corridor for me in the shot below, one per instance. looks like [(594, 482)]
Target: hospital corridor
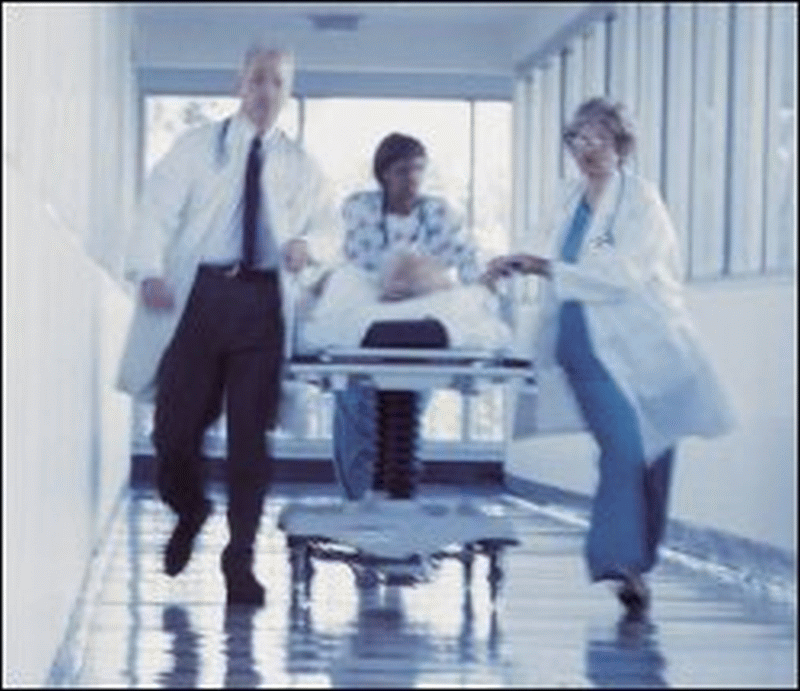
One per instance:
[(402, 345)]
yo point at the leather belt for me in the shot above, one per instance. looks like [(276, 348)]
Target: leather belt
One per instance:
[(236, 270)]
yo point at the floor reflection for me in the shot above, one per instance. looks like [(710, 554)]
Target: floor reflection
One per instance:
[(383, 646), (149, 630), (384, 643), (240, 665), (628, 658), (184, 650)]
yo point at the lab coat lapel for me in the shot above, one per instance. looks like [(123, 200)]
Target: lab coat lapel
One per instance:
[(283, 194), (220, 186)]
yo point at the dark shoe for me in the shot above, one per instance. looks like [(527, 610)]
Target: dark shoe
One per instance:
[(241, 585), (179, 548), (244, 589), (635, 597)]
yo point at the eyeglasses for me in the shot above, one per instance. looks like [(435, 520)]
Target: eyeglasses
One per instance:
[(577, 140)]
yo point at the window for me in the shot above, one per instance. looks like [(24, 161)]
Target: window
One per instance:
[(167, 117), (712, 90), (781, 147), (469, 152), (491, 197)]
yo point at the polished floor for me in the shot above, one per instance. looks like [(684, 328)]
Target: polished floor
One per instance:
[(550, 627)]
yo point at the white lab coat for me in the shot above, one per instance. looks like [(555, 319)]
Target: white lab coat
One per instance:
[(627, 278), (188, 192)]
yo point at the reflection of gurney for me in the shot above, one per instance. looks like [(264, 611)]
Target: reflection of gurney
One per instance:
[(389, 536)]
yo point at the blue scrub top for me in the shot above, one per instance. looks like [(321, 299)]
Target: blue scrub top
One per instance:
[(574, 348)]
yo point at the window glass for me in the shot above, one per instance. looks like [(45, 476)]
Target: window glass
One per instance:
[(343, 134), (781, 230), (492, 196), (167, 117)]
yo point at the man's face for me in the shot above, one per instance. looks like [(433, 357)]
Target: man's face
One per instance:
[(263, 89)]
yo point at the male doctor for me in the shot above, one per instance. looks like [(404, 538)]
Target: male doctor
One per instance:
[(224, 215)]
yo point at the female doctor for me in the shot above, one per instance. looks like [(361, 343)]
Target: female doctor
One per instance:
[(612, 318)]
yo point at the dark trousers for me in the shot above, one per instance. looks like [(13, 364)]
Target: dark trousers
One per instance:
[(227, 347)]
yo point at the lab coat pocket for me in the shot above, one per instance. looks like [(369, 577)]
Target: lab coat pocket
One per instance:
[(656, 352)]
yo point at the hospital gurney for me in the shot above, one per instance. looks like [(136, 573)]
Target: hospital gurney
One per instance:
[(390, 536)]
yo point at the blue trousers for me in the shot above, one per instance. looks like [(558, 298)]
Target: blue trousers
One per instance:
[(629, 510), (355, 438)]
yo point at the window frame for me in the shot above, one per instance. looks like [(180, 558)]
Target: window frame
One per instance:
[(209, 84), (696, 120)]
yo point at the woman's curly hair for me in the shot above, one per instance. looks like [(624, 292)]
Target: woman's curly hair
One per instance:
[(612, 116)]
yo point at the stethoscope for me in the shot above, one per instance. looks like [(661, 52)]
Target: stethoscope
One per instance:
[(221, 156)]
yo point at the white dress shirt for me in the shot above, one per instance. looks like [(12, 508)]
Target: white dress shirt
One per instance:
[(223, 243)]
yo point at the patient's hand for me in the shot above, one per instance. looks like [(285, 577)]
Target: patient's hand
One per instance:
[(409, 275)]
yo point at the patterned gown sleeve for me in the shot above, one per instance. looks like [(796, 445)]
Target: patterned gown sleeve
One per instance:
[(449, 240), (362, 243)]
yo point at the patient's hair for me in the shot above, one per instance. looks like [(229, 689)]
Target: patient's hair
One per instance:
[(395, 147)]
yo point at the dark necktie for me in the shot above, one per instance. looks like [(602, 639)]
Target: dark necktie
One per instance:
[(252, 198)]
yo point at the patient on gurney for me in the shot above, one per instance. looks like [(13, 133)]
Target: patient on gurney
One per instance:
[(404, 250), (410, 287)]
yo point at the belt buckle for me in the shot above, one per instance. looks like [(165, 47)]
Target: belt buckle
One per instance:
[(233, 272)]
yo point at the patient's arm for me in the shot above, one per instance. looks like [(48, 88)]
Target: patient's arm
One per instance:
[(409, 275)]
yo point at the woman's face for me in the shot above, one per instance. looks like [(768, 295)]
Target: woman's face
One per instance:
[(592, 146), (402, 178)]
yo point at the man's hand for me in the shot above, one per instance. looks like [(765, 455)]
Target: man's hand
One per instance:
[(157, 295), (295, 255)]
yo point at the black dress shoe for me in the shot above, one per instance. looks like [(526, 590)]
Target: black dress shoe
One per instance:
[(179, 547), (244, 589), (241, 585)]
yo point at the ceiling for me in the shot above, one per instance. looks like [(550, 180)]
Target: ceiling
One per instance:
[(466, 38)]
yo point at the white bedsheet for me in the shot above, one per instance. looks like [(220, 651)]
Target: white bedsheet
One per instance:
[(349, 305)]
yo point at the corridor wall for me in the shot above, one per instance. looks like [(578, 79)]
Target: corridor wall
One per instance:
[(67, 178)]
